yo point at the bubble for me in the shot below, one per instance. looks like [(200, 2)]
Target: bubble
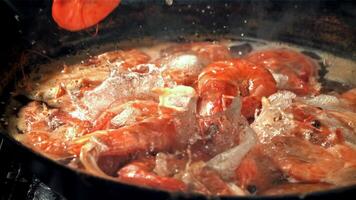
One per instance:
[(169, 2)]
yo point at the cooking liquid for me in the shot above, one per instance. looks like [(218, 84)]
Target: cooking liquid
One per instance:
[(335, 74)]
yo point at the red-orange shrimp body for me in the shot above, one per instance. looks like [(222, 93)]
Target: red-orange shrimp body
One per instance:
[(158, 134), (221, 81), (298, 70), (75, 15), (155, 127), (350, 96)]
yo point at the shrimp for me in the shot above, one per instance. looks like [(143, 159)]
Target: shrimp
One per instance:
[(183, 68), (301, 160), (221, 81), (257, 172), (345, 152), (350, 96), (66, 87), (171, 128), (120, 87), (200, 178), (49, 130), (184, 62), (157, 134), (315, 125), (75, 15), (292, 70), (316, 119), (126, 114), (140, 172)]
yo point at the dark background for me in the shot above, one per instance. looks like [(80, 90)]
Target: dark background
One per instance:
[(30, 37)]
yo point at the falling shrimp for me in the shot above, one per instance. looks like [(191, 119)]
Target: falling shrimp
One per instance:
[(75, 15)]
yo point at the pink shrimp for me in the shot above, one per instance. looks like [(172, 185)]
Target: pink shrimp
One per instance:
[(257, 172), (154, 127), (143, 137), (46, 129), (299, 70), (350, 96), (310, 126), (141, 173), (302, 160), (220, 81)]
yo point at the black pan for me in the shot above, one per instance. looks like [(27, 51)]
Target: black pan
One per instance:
[(30, 37)]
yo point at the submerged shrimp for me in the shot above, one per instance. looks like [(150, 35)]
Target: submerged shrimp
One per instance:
[(184, 62), (221, 81), (49, 130), (141, 173), (207, 51), (292, 70), (301, 160), (257, 172), (172, 127)]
